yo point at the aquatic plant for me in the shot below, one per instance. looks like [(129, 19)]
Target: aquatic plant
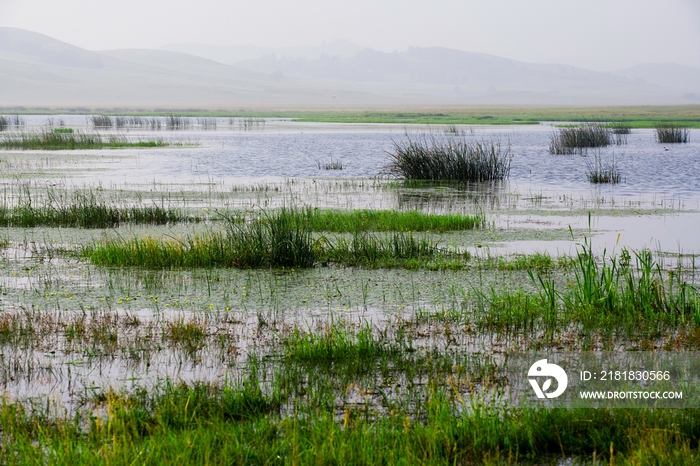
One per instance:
[(672, 133), (576, 139), (330, 165), (428, 158), (71, 140), (101, 121), (602, 171)]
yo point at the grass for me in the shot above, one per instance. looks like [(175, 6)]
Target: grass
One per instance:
[(210, 424), (636, 116), (330, 165), (85, 211), (283, 239), (575, 139), (336, 344), (63, 130), (672, 133), (51, 140), (340, 221), (427, 158), (277, 240)]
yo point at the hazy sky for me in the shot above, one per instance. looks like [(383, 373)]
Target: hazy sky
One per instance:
[(597, 34)]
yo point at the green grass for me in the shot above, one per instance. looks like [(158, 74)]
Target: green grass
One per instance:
[(455, 159), (276, 240), (336, 344), (90, 214), (634, 116), (208, 424), (63, 130), (283, 239), (51, 140), (340, 221)]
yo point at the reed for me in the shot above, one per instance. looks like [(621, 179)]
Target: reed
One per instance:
[(427, 158), (602, 171), (101, 121), (576, 139), (330, 165), (672, 133)]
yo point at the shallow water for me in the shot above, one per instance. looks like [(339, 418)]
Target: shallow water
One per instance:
[(546, 205)]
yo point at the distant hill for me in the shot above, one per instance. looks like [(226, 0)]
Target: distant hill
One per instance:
[(230, 55), (38, 71)]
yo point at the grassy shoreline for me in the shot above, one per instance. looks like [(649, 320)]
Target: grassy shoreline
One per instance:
[(634, 116)]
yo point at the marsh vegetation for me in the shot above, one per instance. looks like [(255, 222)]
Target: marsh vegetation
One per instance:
[(426, 157)]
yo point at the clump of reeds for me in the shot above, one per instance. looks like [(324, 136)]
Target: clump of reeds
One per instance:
[(619, 127), (177, 122), (207, 123), (427, 158), (672, 133), (453, 130), (10, 120), (576, 139), (249, 123), (602, 171), (71, 140), (101, 121), (330, 165), (620, 131)]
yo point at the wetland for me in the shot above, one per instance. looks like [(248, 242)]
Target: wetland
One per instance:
[(269, 291)]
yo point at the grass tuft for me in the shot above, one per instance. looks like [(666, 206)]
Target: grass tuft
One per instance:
[(600, 171), (576, 139), (455, 159), (672, 133)]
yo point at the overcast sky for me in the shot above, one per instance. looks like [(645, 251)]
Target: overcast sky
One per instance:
[(596, 34)]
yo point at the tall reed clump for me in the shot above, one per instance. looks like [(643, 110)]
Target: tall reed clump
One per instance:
[(101, 121), (453, 159), (672, 133), (177, 122), (602, 171), (577, 139), (274, 240)]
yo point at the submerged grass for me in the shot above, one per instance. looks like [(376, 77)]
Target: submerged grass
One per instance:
[(427, 158), (51, 140)]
